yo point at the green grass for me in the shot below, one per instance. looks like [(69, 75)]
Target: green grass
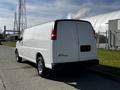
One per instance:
[(109, 57), (11, 44)]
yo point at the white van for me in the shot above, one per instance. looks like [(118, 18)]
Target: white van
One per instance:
[(59, 42)]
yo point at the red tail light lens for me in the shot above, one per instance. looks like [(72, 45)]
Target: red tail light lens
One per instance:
[(54, 34)]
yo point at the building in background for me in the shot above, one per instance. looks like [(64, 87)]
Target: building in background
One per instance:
[(114, 33), (103, 24), (100, 22)]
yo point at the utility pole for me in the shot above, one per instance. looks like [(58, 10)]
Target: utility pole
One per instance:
[(15, 23), (22, 19), (4, 33)]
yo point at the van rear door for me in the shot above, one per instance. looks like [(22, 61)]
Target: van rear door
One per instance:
[(65, 47), (86, 40), (75, 41)]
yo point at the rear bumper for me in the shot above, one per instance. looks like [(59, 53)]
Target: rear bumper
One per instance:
[(75, 64)]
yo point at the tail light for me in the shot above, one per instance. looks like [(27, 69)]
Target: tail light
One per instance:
[(54, 34)]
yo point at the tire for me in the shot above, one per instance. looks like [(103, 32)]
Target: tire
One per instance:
[(41, 69), (18, 58)]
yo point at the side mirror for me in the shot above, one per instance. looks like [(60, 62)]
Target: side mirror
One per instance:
[(17, 38)]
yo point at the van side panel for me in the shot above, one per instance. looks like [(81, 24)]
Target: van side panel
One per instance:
[(38, 40)]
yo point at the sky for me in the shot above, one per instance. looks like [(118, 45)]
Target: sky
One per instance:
[(40, 11)]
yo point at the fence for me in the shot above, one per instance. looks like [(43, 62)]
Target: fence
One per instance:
[(102, 39)]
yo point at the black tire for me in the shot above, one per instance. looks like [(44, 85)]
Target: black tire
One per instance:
[(18, 58), (41, 69)]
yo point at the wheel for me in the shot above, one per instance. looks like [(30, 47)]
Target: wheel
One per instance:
[(41, 67), (18, 58)]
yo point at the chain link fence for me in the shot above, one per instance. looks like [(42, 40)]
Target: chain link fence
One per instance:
[(102, 39)]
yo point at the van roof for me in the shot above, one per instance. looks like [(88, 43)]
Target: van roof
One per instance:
[(71, 20), (58, 21)]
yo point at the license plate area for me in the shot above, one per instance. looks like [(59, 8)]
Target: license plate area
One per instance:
[(85, 48)]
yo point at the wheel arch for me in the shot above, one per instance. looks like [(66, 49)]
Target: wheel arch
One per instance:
[(39, 55)]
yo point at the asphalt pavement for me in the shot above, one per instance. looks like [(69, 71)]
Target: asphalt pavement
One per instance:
[(23, 76)]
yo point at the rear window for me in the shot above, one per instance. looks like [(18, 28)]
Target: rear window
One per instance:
[(70, 20)]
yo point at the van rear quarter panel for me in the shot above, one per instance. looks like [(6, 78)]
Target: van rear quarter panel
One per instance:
[(38, 40)]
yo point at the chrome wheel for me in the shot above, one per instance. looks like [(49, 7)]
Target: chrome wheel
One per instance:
[(41, 67)]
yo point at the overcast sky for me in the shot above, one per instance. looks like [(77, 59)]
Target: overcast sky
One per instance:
[(39, 11)]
